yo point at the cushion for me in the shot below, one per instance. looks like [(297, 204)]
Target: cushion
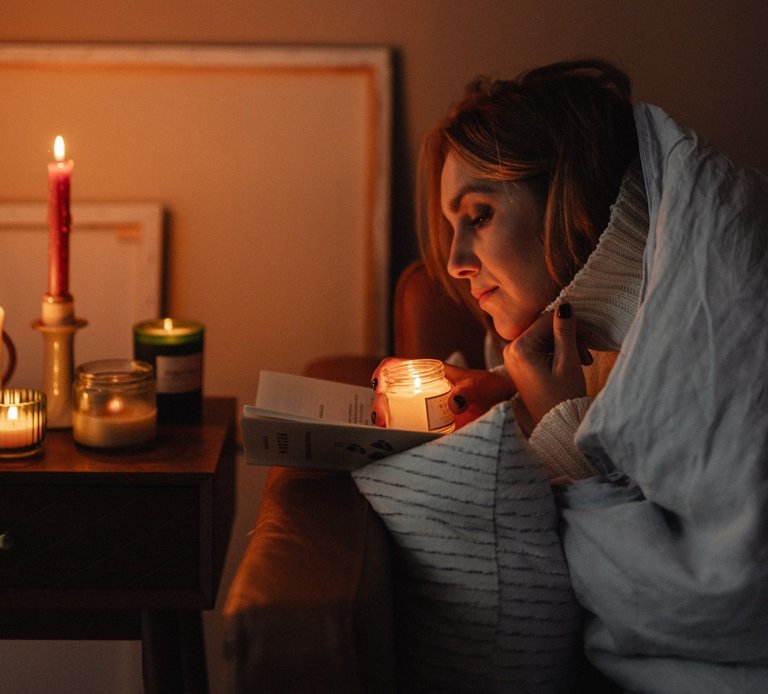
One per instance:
[(318, 566), (486, 600)]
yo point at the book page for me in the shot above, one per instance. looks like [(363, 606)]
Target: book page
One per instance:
[(290, 396)]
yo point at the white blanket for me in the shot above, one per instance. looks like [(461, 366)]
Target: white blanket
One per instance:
[(669, 551)]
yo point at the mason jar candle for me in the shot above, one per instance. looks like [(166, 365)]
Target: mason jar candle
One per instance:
[(22, 422), (114, 404), (174, 347), (417, 394)]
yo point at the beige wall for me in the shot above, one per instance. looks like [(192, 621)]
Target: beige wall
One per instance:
[(705, 61)]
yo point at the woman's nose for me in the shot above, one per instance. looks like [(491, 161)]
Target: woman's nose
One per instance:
[(462, 262)]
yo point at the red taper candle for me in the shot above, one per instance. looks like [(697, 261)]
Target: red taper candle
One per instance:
[(59, 220)]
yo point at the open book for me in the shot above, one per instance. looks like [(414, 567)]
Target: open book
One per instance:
[(312, 423)]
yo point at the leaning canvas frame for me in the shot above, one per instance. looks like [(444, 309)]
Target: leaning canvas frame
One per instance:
[(371, 64), (117, 261)]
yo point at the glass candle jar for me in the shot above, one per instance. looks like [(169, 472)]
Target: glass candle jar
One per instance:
[(417, 395), (22, 422), (174, 347), (114, 404)]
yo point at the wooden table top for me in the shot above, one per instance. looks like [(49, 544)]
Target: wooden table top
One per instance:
[(180, 449)]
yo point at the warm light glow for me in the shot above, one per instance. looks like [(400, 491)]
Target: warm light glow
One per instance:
[(58, 148), (13, 413), (168, 324), (115, 405)]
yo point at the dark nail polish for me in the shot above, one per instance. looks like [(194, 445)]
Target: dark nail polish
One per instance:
[(564, 311), (373, 418), (460, 400), (374, 383)]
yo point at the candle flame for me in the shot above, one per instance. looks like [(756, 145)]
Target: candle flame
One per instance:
[(115, 405), (13, 413), (168, 324), (58, 148)]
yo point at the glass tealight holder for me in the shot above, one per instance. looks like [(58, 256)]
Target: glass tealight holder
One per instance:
[(22, 422), (114, 404), (417, 394)]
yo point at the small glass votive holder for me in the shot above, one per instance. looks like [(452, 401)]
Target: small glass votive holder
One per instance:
[(114, 404), (22, 422), (417, 394)]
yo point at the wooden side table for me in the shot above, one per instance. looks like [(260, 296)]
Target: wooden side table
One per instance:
[(100, 545)]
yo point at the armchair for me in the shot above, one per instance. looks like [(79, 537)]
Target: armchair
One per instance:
[(311, 605)]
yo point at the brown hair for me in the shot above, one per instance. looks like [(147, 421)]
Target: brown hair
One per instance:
[(565, 129)]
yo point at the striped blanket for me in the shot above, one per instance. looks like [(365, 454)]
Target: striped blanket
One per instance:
[(485, 594)]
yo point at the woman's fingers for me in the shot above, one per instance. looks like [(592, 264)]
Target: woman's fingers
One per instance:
[(545, 362), (566, 356), (475, 391), (563, 313), (379, 407), (380, 410)]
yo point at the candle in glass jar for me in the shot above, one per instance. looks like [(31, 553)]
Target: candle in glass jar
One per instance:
[(59, 220), (22, 421), (117, 426), (114, 404), (16, 430), (174, 347), (417, 395)]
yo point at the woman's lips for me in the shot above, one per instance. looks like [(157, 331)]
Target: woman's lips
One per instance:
[(483, 295)]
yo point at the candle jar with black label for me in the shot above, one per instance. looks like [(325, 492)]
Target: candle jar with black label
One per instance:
[(174, 347)]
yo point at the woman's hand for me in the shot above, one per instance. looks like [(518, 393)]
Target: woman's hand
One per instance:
[(474, 392), (379, 409), (545, 363)]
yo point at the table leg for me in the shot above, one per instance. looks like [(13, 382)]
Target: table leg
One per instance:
[(173, 652)]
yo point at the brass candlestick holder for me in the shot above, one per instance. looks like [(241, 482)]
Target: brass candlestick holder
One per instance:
[(58, 326)]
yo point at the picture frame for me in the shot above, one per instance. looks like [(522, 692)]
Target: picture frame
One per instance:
[(116, 251), (263, 96)]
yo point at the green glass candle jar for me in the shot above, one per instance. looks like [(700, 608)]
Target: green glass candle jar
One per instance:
[(174, 347)]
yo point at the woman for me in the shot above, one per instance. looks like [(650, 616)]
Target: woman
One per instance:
[(520, 180), (582, 221)]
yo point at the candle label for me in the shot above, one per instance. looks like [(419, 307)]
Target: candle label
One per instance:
[(179, 374), (439, 414)]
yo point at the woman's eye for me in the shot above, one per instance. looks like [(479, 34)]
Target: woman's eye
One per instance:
[(482, 217)]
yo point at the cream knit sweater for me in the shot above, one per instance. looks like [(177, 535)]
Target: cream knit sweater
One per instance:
[(605, 296)]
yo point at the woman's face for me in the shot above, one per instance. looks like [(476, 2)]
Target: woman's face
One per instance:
[(497, 246)]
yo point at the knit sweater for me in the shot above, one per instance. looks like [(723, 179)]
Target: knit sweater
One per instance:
[(605, 295)]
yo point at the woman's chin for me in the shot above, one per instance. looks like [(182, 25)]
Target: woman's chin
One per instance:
[(508, 331)]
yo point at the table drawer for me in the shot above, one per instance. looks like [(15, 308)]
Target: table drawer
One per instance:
[(94, 536)]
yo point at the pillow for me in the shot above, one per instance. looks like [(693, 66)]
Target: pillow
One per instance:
[(486, 600)]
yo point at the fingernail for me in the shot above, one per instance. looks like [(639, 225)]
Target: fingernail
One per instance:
[(564, 311), (373, 418), (374, 383), (460, 400)]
